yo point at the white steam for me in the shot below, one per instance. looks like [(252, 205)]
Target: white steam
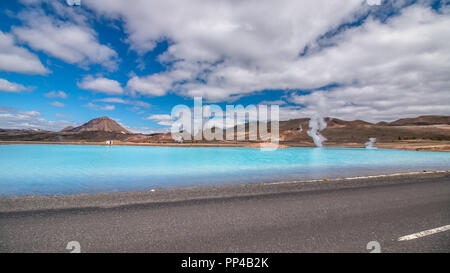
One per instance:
[(317, 124), (371, 143)]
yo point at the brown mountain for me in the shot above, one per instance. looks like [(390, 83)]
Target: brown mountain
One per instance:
[(357, 131), (103, 124), (292, 132), (96, 130), (67, 129), (422, 120)]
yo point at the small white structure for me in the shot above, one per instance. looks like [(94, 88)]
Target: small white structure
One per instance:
[(109, 142)]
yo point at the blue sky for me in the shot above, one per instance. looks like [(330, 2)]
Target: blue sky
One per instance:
[(63, 65)]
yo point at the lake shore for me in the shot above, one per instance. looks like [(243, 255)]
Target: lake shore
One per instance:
[(161, 197), (413, 145)]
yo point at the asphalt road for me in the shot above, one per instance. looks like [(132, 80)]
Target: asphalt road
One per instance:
[(321, 220)]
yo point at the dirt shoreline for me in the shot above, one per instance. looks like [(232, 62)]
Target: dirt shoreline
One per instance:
[(425, 145)]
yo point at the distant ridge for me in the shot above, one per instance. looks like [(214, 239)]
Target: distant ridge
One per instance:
[(422, 120), (67, 129), (103, 124), (436, 128)]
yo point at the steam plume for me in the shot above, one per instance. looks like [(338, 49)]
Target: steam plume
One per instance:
[(371, 143), (317, 124)]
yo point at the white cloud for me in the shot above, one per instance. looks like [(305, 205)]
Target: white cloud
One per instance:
[(57, 104), (163, 120), (33, 113), (398, 69), (155, 85), (102, 85), (11, 87), (114, 100), (108, 107), (165, 123), (226, 48), (71, 40), (91, 105), (14, 119), (159, 117), (128, 102), (99, 107), (56, 94), (382, 69), (18, 59), (273, 102)]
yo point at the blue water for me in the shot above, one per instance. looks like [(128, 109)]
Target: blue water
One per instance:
[(56, 170)]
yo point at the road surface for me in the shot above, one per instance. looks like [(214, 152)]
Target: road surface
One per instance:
[(337, 219)]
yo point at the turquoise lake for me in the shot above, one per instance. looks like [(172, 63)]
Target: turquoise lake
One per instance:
[(66, 169)]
